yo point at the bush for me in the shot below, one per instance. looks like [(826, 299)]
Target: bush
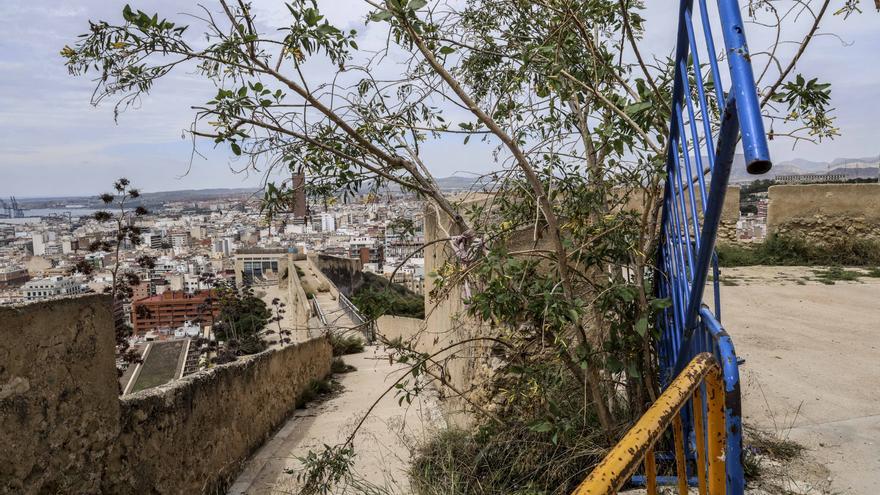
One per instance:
[(315, 390), (548, 442), (343, 344), (378, 296), (339, 366), (789, 250)]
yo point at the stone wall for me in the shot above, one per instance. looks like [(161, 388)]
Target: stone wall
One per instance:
[(192, 435), (823, 212), (345, 273), (59, 405), (65, 430)]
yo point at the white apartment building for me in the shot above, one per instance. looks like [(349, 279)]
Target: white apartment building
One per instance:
[(46, 288)]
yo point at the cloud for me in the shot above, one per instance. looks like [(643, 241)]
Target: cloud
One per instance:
[(53, 142)]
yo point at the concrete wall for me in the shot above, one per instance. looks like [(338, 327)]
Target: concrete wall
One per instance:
[(729, 211), (398, 327), (64, 429), (821, 212), (345, 273), (298, 302)]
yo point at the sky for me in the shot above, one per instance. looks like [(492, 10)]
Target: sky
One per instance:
[(54, 143)]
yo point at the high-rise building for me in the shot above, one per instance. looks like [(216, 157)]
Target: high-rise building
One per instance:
[(328, 222), (300, 207), (39, 240)]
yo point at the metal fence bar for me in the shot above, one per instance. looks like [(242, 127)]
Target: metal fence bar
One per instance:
[(636, 447), (689, 232)]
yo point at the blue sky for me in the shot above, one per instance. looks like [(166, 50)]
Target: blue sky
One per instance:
[(52, 142)]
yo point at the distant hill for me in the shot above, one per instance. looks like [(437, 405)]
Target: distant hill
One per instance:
[(850, 167)]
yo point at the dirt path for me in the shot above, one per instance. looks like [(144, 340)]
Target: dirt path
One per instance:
[(381, 449), (812, 366)]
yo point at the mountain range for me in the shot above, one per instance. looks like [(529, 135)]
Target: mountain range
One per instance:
[(852, 168)]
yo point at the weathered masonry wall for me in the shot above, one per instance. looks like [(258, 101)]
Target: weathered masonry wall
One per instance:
[(821, 212), (192, 435), (59, 406), (64, 429)]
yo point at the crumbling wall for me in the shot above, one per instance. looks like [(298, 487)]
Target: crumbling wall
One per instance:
[(824, 212), (64, 428)]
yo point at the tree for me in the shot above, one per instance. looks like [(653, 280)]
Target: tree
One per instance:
[(122, 217), (576, 109)]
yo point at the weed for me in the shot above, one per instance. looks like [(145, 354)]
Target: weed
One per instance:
[(835, 273), (773, 445), (790, 250), (339, 366), (343, 344), (873, 272), (316, 389)]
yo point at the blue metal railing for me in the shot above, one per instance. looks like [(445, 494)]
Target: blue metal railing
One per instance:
[(705, 126)]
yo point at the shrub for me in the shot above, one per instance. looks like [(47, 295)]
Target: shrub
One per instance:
[(316, 389), (346, 344), (339, 366), (789, 250)]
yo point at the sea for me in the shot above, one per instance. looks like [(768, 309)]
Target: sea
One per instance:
[(34, 215)]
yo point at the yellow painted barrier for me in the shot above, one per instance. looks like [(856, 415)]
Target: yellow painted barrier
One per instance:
[(637, 446)]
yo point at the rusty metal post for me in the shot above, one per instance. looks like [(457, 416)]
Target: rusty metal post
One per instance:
[(700, 433), (680, 461), (650, 472), (717, 433)]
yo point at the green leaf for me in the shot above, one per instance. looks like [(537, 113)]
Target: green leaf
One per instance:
[(661, 303), (382, 15), (641, 326), (637, 107), (236, 148), (416, 4), (541, 427), (446, 50), (614, 365)]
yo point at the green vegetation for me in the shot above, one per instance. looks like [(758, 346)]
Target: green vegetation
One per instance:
[(315, 390), (241, 318), (796, 251), (346, 344), (835, 273), (379, 296), (338, 366), (544, 443)]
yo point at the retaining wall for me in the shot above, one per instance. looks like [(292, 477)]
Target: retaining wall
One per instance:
[(823, 212), (345, 273), (65, 430)]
